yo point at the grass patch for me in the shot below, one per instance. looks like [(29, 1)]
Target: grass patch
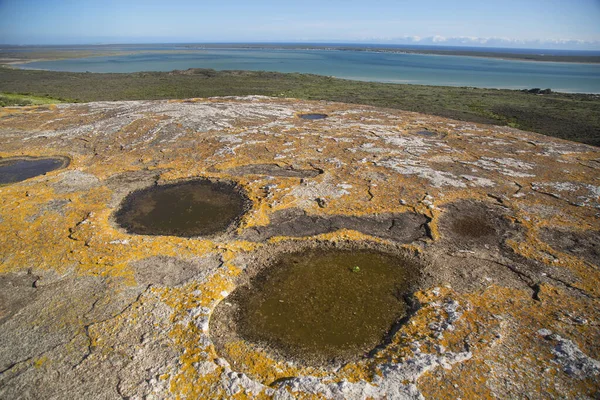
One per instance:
[(17, 99), (568, 116)]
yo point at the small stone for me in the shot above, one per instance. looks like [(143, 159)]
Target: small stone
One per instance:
[(544, 332)]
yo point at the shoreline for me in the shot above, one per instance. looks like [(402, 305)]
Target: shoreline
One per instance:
[(356, 79), (15, 66)]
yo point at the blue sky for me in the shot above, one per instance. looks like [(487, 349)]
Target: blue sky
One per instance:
[(506, 23)]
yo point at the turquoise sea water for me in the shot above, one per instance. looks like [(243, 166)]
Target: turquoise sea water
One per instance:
[(359, 65)]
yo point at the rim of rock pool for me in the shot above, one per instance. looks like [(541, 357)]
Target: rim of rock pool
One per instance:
[(48, 164), (200, 207), (313, 116), (229, 322)]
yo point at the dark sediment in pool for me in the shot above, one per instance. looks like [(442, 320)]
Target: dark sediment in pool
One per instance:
[(477, 226), (472, 227), (313, 116), (194, 208), (322, 306), (18, 169)]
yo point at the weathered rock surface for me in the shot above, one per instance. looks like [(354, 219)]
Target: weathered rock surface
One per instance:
[(504, 222)]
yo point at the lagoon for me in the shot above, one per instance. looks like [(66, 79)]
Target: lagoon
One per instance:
[(421, 69)]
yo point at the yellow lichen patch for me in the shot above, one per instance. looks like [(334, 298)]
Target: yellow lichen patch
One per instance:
[(337, 236), (355, 372), (187, 383), (229, 255), (187, 335), (486, 328), (418, 329), (528, 351), (255, 363), (38, 363)]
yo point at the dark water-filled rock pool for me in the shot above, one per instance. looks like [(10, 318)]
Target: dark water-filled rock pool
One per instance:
[(192, 208), (18, 169)]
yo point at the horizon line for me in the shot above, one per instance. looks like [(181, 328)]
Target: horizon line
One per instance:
[(319, 42)]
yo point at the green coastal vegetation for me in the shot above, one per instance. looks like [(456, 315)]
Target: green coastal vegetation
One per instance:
[(16, 99), (568, 116)]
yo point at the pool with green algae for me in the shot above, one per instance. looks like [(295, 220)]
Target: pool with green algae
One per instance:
[(326, 305)]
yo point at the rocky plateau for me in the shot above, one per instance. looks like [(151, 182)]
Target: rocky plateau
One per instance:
[(505, 226)]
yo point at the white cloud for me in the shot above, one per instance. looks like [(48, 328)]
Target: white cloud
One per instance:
[(492, 42)]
